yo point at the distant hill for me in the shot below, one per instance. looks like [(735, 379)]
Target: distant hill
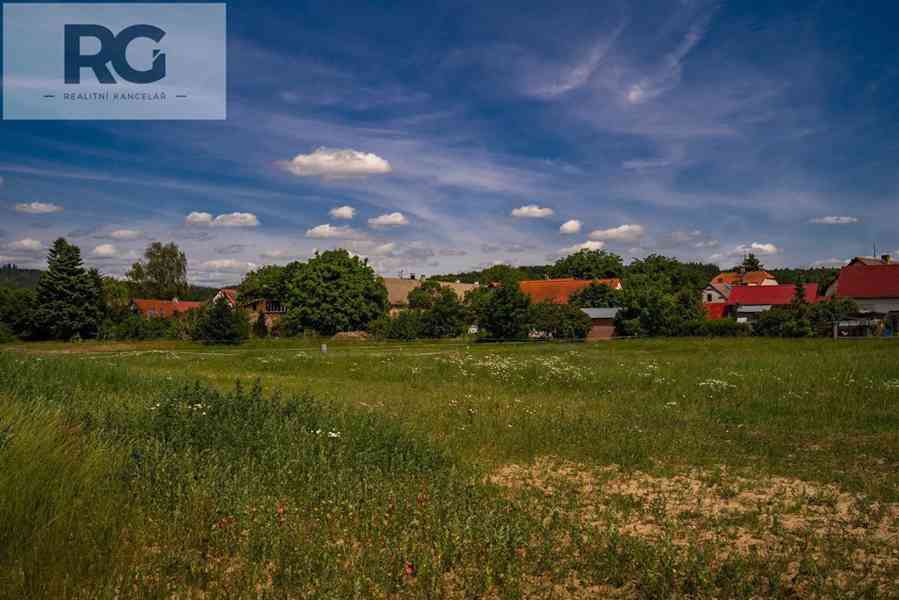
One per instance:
[(13, 276)]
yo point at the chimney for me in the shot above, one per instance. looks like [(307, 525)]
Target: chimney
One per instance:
[(887, 259)]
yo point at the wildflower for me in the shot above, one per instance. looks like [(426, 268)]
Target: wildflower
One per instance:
[(333, 434)]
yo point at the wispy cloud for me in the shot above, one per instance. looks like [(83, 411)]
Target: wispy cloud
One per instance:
[(835, 220), (38, 208)]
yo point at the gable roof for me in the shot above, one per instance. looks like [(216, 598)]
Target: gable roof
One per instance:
[(230, 295), (559, 291), (722, 288), (863, 279), (398, 289), (735, 278), (770, 295), (164, 308)]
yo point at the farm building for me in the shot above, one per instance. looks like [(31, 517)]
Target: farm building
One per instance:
[(270, 310), (746, 302), (398, 290), (164, 309), (603, 327), (753, 278), (559, 291), (873, 283), (229, 294)]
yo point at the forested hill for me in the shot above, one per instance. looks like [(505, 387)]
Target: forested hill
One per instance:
[(12, 276)]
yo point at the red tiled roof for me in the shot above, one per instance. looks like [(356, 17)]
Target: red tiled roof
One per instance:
[(559, 291), (230, 295), (774, 295), (751, 278), (861, 280), (164, 308)]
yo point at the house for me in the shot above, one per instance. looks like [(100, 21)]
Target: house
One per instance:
[(747, 302), (603, 327), (269, 310), (164, 309), (398, 290), (716, 294), (873, 283), (229, 294), (559, 291)]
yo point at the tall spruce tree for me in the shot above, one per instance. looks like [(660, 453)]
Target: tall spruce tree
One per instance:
[(68, 297)]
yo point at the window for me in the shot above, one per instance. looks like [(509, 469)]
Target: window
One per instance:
[(708, 297)]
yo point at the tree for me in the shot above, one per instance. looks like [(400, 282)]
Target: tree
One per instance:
[(752, 263), (425, 295), (596, 295), (445, 317), (16, 307), (559, 321), (68, 298), (269, 282), (505, 313), (335, 292), (589, 264), (220, 324), (163, 274), (650, 310)]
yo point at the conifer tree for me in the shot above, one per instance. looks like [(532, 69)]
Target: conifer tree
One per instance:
[(68, 297)]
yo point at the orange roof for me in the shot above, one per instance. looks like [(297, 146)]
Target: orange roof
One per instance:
[(164, 308), (559, 291), (751, 278), (230, 295)]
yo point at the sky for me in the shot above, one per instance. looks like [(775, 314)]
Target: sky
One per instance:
[(440, 137)]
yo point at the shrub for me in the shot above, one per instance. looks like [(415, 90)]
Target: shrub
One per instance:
[(559, 321), (722, 328), (407, 325), (504, 314), (220, 324), (780, 322), (135, 327), (6, 335)]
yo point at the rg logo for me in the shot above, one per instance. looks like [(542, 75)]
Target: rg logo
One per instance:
[(113, 49)]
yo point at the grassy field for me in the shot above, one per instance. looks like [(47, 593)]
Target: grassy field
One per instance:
[(639, 469)]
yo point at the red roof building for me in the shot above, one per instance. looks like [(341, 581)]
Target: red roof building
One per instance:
[(229, 294), (770, 295), (559, 291), (165, 309), (874, 285)]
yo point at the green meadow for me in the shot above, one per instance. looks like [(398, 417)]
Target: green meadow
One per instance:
[(741, 468)]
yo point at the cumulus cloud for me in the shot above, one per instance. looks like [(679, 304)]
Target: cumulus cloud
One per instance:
[(679, 239), (26, 245), (337, 163), (532, 211), (229, 264), (235, 219), (198, 218), (570, 227), (105, 251), (38, 208), (126, 234), (591, 245), (328, 231), (389, 220), (834, 220), (757, 248), (343, 212), (277, 254), (622, 233)]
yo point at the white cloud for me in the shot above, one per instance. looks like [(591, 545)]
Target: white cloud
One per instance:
[(277, 254), (830, 263), (570, 227), (834, 220), (38, 208), (26, 245), (757, 248), (336, 163), (235, 219), (105, 251), (389, 220), (623, 233), (126, 234), (229, 264), (343, 212), (532, 211), (585, 246), (198, 218), (328, 231)]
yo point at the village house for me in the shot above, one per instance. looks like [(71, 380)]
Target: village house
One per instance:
[(716, 295), (746, 303), (259, 308), (398, 290), (229, 294), (873, 283), (559, 291), (163, 309)]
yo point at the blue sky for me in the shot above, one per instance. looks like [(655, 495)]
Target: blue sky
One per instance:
[(465, 134)]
